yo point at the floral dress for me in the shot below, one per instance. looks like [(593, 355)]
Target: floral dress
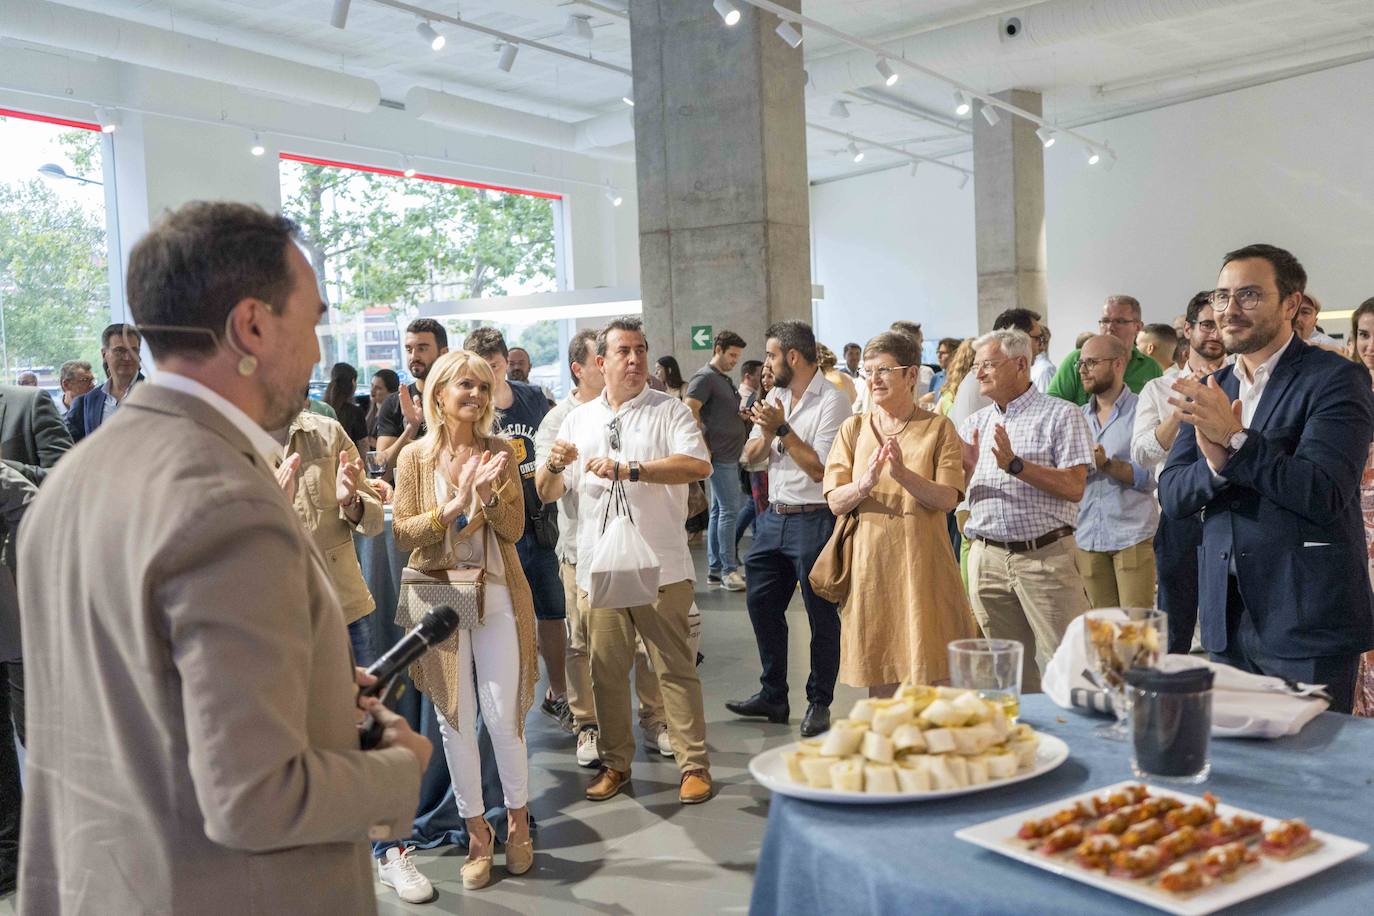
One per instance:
[(1364, 686)]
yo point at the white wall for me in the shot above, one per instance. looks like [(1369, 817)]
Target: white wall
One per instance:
[(891, 246), (1290, 163)]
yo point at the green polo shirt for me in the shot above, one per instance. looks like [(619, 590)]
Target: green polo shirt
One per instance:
[(1067, 383)]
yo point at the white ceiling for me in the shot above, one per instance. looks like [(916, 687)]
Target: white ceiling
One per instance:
[(1235, 42)]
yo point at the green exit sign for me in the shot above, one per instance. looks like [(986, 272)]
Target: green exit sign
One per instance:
[(701, 337)]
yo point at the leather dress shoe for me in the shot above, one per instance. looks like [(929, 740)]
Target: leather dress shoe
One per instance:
[(816, 720), (695, 787), (758, 706), (607, 783)]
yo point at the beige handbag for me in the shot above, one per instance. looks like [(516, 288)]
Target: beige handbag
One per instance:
[(831, 574), (462, 589)]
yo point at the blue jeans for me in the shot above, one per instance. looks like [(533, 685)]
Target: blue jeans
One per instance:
[(360, 635), (720, 534)]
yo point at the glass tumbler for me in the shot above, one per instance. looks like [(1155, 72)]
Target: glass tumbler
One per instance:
[(992, 667)]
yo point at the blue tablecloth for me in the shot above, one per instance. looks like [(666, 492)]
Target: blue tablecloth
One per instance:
[(829, 859), (436, 818)]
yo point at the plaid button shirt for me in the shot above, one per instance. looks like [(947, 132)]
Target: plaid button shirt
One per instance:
[(1044, 430)]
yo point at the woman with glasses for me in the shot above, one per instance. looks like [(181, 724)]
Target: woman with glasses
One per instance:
[(459, 503), (1362, 333), (900, 468)]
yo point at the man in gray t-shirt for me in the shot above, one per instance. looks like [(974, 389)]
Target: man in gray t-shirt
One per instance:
[(715, 403)]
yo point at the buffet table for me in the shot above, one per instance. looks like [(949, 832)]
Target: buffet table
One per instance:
[(829, 858)]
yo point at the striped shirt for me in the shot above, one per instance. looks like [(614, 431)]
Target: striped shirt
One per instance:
[(1043, 430)]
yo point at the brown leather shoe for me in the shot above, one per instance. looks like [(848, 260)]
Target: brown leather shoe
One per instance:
[(696, 787), (607, 783)]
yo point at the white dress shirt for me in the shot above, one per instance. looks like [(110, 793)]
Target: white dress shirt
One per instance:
[(1252, 389), (816, 418), (1042, 372), (652, 425), (263, 443), (567, 503), (968, 400)]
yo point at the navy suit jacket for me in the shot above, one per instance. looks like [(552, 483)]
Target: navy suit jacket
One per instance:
[(1288, 510), (88, 412)]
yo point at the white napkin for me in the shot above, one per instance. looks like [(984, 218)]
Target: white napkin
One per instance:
[(1244, 705)]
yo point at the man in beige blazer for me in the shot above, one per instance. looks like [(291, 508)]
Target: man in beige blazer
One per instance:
[(192, 716)]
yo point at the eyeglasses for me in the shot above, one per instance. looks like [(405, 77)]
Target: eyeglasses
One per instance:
[(989, 364), (614, 428), (1091, 364), (1247, 297), (1040, 336), (1115, 322), (881, 372), (1207, 327)]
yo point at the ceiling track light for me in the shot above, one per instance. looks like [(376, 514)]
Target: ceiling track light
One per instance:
[(257, 149), (729, 13), (788, 33), (627, 100), (614, 196), (962, 106), (108, 119), (839, 109), (1093, 156), (963, 182), (407, 167), (889, 75), (426, 31), (507, 59), (854, 151), (990, 114), (914, 164), (1046, 136), (339, 18), (579, 26)]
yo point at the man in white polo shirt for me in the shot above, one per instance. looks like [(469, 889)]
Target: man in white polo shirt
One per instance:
[(650, 441), (794, 428)]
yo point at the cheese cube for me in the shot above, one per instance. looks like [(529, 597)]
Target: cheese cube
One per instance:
[(1001, 765), (973, 739), (817, 771), (971, 706), (977, 770), (909, 738), (1025, 749), (913, 774), (794, 770), (997, 719), (863, 710), (958, 766), (848, 775), (942, 776), (887, 718), (877, 748), (843, 739), (919, 695), (879, 778), (940, 741), (943, 714)]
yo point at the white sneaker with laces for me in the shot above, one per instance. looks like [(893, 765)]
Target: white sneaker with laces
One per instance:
[(733, 581), (587, 753), (656, 739), (398, 872)]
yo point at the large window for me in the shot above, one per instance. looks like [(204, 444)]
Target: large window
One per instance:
[(54, 263), (384, 245)]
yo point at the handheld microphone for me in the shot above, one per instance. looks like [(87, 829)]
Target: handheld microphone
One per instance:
[(435, 627)]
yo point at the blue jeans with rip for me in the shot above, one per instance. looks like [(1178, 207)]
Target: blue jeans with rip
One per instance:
[(721, 555)]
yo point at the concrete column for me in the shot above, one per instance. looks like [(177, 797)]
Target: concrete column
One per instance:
[(1009, 211), (720, 140)]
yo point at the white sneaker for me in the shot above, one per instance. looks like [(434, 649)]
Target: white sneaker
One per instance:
[(587, 753), (733, 581), (398, 872), (656, 739)]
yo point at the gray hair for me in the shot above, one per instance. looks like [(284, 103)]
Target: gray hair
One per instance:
[(71, 367), (1014, 343)]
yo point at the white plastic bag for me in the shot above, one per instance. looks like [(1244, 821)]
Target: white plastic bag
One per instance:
[(623, 570)]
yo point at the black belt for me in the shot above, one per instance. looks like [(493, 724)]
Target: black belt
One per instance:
[(784, 509), (1044, 540)]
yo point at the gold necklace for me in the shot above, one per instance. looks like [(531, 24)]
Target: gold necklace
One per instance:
[(883, 435)]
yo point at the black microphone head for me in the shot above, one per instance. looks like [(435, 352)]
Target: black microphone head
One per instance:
[(439, 624)]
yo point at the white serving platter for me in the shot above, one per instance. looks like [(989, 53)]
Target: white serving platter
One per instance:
[(770, 771), (1270, 874)]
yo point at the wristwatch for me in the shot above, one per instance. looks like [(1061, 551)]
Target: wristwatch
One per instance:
[(634, 472), (783, 430), (1237, 440), (1016, 466)]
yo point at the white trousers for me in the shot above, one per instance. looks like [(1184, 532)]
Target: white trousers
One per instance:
[(489, 667)]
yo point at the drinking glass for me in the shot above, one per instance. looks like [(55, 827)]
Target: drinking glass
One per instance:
[(992, 667), (376, 464), (1117, 640)]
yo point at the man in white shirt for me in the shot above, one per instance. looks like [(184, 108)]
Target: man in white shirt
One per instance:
[(649, 442), (588, 385), (1042, 369), (1159, 342), (1156, 428), (794, 429)]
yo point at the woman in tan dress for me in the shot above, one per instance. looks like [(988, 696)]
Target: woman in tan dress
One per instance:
[(900, 467)]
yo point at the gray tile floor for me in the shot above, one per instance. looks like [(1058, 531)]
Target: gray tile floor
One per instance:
[(641, 852)]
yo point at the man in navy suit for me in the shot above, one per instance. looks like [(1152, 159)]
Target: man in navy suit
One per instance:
[(1270, 454), (119, 346)]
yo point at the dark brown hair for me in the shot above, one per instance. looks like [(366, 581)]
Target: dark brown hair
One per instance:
[(1288, 270), (487, 342), (200, 261)]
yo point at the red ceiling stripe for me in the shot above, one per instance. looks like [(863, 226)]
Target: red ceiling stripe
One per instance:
[(396, 173), (48, 119)]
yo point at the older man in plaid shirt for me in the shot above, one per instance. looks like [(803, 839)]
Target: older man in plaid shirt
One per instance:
[(1027, 456)]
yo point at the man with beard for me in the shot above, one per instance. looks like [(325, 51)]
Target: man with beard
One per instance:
[(194, 742), (1121, 319), (1156, 428), (401, 421), (1118, 515), (1271, 453)]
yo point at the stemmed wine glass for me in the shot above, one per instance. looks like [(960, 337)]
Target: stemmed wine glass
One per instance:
[(1119, 639)]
